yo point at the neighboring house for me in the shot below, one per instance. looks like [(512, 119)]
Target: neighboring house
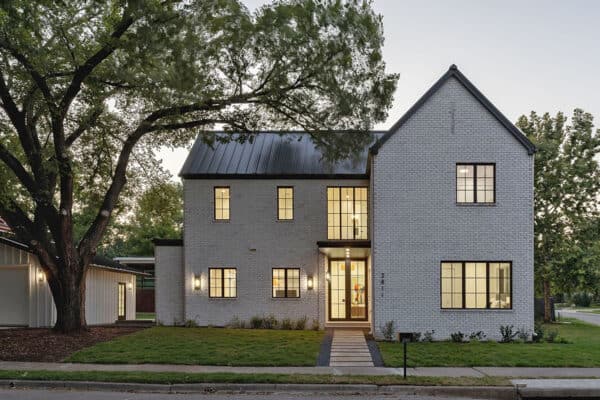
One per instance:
[(430, 227), (25, 298), (144, 293)]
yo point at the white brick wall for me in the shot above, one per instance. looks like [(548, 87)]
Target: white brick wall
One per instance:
[(169, 284), (417, 223), (254, 225)]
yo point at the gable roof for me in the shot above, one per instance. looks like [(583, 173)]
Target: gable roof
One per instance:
[(270, 155), (453, 72), (98, 261)]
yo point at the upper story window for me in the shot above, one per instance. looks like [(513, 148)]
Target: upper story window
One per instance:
[(476, 284), (286, 282), (475, 183), (222, 282), (285, 203), (222, 203), (347, 213)]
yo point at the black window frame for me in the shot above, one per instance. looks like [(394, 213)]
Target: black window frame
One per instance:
[(339, 211), (285, 279), (222, 296), (474, 165), (215, 188), (293, 207), (487, 284)]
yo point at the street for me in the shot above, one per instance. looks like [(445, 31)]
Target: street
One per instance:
[(24, 394), (587, 317)]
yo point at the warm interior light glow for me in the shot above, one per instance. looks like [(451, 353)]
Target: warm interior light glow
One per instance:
[(309, 283), (463, 170)]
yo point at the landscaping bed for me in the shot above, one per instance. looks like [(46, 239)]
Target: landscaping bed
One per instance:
[(44, 345), (582, 349), (208, 346)]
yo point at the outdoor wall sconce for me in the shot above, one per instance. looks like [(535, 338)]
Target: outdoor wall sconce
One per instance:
[(309, 282), (130, 286), (328, 276), (40, 275), (197, 282)]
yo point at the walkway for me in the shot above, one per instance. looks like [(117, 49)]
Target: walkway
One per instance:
[(434, 371), (590, 318), (349, 349)]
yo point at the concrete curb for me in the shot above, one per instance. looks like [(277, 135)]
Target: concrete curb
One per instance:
[(482, 392), (558, 393)]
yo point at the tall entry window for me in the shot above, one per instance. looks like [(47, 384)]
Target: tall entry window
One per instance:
[(347, 213), (475, 183), (222, 203), (476, 285)]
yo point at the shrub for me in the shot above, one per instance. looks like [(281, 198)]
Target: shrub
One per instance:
[(523, 334), (301, 323), (428, 336), (315, 325), (388, 330), (582, 299), (235, 323), (538, 332), (551, 336), (507, 334), (256, 322), (270, 322), (286, 324), (457, 337), (416, 337), (190, 323), (476, 336)]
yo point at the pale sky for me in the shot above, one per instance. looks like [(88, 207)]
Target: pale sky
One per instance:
[(524, 55)]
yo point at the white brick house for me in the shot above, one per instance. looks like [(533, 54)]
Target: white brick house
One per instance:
[(430, 227)]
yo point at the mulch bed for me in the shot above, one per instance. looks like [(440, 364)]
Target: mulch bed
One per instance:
[(44, 345)]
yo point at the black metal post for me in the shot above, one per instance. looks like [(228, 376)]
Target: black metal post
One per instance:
[(404, 341)]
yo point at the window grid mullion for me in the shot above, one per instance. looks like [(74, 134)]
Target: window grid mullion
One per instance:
[(475, 183), (464, 287)]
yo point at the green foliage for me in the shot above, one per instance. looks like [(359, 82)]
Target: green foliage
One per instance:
[(538, 331), (507, 334), (582, 299), (457, 337), (388, 330), (567, 211), (315, 326), (286, 324), (476, 336), (256, 322), (270, 322), (301, 323)]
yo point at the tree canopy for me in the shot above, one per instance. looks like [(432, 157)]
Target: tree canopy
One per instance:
[(88, 90)]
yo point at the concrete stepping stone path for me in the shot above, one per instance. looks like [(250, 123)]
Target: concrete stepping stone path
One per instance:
[(349, 349)]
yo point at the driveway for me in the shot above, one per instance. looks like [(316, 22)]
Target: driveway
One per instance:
[(587, 317)]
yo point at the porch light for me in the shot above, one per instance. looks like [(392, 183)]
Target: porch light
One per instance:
[(130, 286), (40, 275), (309, 282), (328, 276), (197, 282)]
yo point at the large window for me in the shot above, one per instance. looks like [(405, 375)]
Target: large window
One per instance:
[(347, 213), (475, 183), (476, 284), (285, 203), (222, 282), (286, 282), (222, 203)]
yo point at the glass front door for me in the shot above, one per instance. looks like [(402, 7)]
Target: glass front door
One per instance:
[(347, 290)]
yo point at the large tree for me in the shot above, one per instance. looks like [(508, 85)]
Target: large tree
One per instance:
[(87, 86), (567, 208)]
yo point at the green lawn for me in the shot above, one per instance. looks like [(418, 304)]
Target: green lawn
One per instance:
[(582, 351), (178, 377), (145, 315), (207, 346)]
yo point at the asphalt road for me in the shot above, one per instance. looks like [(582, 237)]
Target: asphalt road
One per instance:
[(587, 317), (24, 394)]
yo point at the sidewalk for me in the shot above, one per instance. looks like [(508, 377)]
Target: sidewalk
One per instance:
[(435, 371)]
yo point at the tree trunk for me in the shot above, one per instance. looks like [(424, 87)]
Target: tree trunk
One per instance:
[(68, 291), (547, 308)]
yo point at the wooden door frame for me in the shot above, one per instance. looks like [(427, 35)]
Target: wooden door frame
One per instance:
[(124, 317), (348, 290)]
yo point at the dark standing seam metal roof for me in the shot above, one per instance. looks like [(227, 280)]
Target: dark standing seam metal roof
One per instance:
[(454, 72), (270, 154)]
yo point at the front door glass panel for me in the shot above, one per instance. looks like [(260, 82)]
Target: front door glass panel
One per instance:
[(338, 289), (358, 309), (347, 290)]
